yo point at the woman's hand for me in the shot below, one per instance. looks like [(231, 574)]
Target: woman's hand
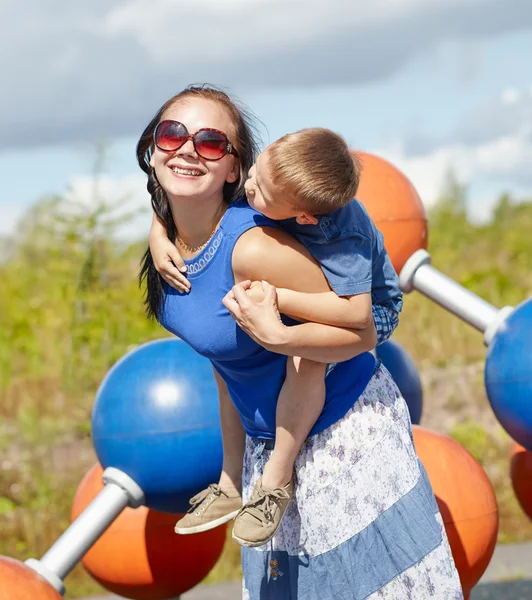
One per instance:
[(169, 263), (256, 291), (260, 320)]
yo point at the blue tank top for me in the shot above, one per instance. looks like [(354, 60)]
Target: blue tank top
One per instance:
[(254, 376)]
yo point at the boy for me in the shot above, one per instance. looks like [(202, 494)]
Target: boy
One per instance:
[(306, 181)]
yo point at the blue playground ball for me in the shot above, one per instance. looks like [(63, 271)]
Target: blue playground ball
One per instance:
[(404, 372), (508, 374), (156, 418)]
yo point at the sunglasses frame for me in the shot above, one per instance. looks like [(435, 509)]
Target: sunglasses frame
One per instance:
[(229, 148)]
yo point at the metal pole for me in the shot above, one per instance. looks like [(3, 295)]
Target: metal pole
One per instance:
[(119, 491), (418, 274), (77, 540)]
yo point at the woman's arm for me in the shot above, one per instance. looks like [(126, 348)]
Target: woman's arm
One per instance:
[(275, 256)]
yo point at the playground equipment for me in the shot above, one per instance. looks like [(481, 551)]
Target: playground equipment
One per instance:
[(119, 492), (508, 375), (154, 412), (418, 274), (466, 500), (404, 372), (394, 206), (20, 582), (521, 475), (156, 418), (140, 556)]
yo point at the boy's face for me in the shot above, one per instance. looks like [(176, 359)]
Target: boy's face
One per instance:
[(269, 199)]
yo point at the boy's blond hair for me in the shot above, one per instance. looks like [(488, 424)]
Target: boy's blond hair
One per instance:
[(316, 169)]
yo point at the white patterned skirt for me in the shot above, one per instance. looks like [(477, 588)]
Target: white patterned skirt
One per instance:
[(364, 522)]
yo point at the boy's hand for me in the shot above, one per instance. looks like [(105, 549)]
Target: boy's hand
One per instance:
[(169, 263), (260, 320), (255, 291)]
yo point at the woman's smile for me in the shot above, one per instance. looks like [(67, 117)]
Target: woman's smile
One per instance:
[(186, 172)]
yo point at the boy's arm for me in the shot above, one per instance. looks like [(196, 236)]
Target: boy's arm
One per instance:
[(157, 227), (352, 312), (265, 253), (166, 257)]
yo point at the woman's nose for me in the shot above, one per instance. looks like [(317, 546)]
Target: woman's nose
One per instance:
[(187, 149)]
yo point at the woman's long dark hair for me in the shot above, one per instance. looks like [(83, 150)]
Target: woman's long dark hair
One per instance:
[(247, 151)]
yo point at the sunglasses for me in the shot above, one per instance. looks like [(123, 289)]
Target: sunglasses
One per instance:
[(210, 144)]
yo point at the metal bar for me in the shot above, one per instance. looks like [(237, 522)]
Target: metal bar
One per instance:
[(76, 541), (418, 274), (456, 299)]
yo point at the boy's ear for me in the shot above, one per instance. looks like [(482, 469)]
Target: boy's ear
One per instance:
[(306, 219), (234, 173)]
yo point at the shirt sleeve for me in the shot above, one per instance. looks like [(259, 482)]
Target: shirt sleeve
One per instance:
[(346, 262)]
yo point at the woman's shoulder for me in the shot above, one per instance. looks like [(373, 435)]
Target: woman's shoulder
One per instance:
[(271, 253), (240, 213), (240, 219)]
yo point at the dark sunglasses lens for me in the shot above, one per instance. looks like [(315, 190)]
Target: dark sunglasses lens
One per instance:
[(210, 145), (170, 135)]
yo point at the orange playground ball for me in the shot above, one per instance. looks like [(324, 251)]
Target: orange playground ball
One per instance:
[(521, 475), (140, 556), (395, 207), (19, 582), (466, 500)]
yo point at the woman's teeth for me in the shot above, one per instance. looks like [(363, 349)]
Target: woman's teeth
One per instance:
[(193, 172)]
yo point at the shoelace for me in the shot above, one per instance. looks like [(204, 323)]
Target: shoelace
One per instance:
[(264, 503), (214, 489)]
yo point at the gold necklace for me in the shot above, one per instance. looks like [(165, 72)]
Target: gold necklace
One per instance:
[(201, 246)]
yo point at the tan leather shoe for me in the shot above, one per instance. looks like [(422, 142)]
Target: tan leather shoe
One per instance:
[(210, 508), (259, 518)]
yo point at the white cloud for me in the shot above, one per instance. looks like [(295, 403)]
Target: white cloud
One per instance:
[(505, 119), (83, 69), (501, 165), (490, 151), (10, 214), (120, 196), (511, 96), (303, 41)]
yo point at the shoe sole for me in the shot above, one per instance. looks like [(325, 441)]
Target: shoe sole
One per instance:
[(206, 526), (248, 544)]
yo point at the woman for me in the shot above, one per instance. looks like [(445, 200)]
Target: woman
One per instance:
[(364, 522)]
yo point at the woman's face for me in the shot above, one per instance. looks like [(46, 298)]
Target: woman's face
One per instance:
[(184, 174)]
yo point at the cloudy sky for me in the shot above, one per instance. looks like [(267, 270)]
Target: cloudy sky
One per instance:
[(430, 85)]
